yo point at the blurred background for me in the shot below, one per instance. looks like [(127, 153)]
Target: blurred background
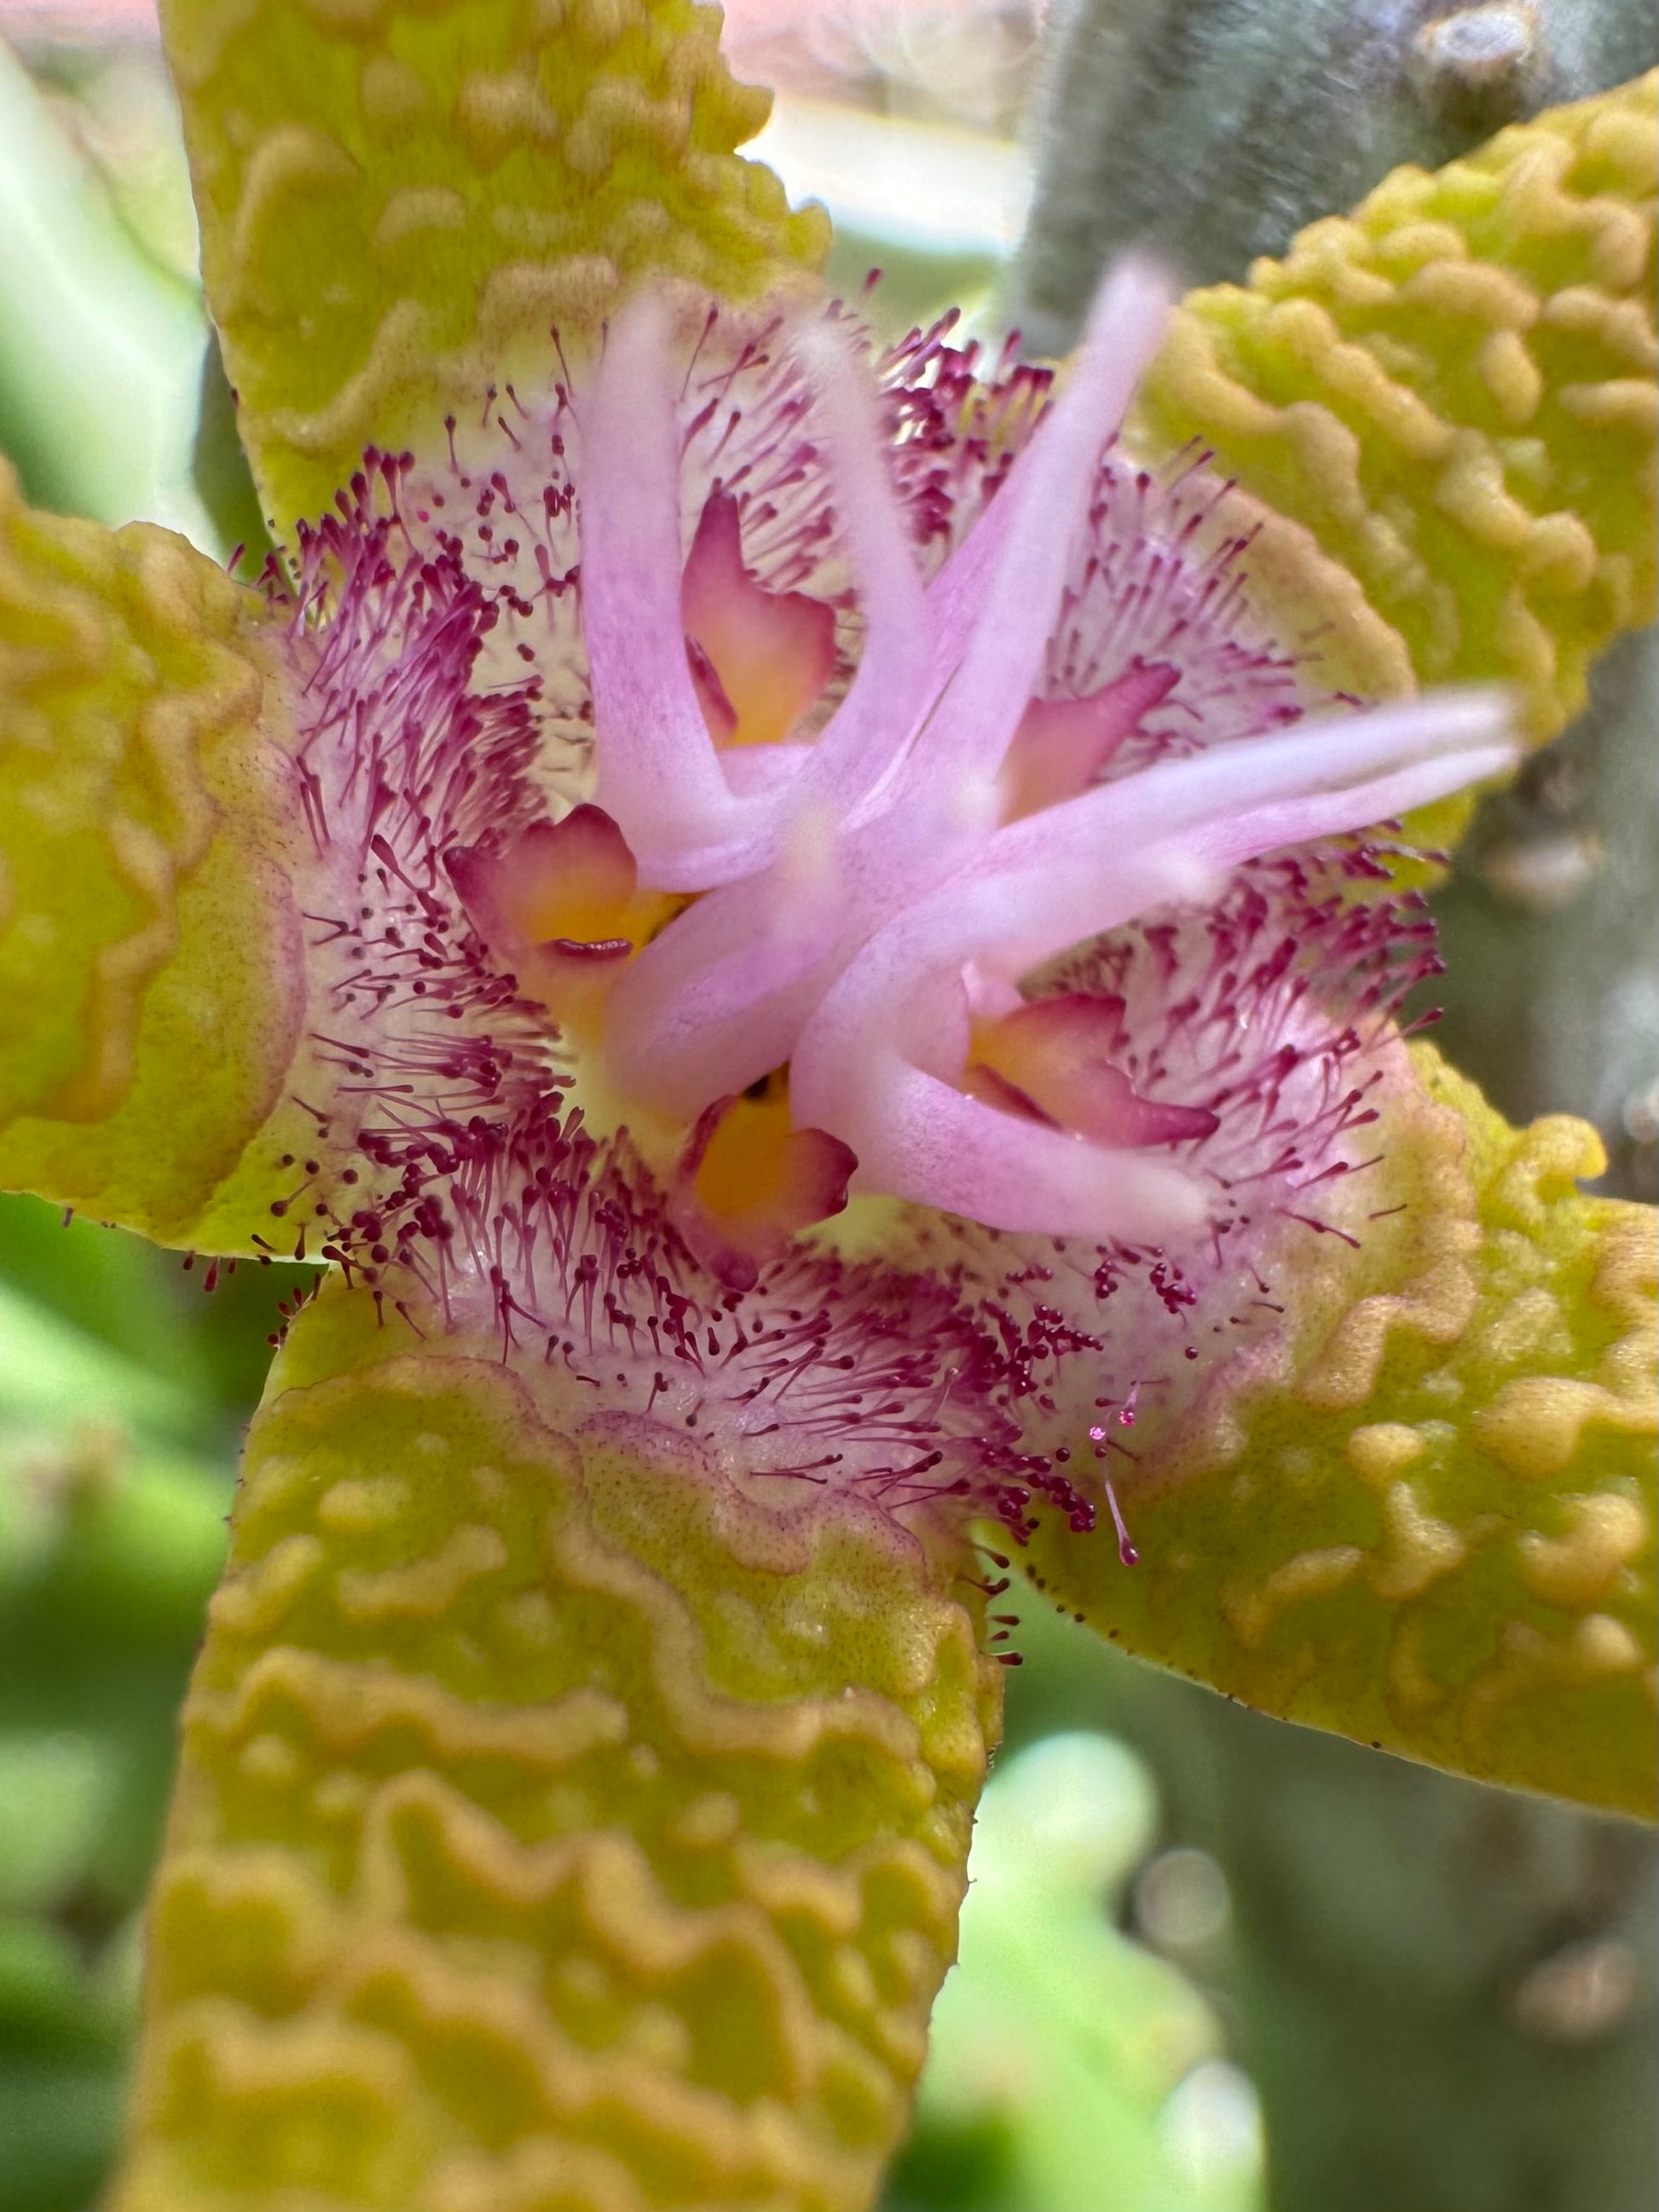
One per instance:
[(1209, 1964)]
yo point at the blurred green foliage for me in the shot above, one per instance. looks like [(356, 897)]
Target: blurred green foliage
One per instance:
[(101, 343), (123, 1390), (111, 1538), (1064, 2052)]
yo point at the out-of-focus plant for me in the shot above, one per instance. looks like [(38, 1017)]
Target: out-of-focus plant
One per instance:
[(903, 120), (1215, 129), (579, 1769), (965, 62), (101, 347), (111, 1537), (1062, 2050)]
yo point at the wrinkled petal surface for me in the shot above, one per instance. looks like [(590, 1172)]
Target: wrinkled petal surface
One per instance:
[(1380, 384), (490, 1657), (396, 208), (1418, 1508), (151, 967)]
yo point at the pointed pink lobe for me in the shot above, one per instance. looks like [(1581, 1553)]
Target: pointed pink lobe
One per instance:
[(1056, 1058), (559, 904), (1062, 745), (996, 603), (691, 825), (879, 1058), (747, 1182), (759, 659), (564, 881)]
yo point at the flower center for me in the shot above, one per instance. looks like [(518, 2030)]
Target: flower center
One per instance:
[(873, 898), (839, 837), (934, 880)]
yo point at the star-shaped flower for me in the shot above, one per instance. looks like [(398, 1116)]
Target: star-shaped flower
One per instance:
[(806, 929)]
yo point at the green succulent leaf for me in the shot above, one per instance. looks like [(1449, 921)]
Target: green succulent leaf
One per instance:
[(493, 1677), (1452, 390), (151, 979), (1420, 1510), (399, 204)]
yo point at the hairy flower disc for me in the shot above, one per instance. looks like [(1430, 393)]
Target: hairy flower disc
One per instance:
[(982, 723)]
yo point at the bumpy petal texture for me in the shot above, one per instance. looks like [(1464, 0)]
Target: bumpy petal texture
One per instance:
[(150, 984), (559, 1824), (398, 202), (1418, 1510), (1453, 389)]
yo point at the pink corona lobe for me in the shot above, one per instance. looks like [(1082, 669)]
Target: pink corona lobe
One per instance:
[(760, 660), (769, 772), (1054, 1060), (747, 1182), (1063, 746), (559, 904)]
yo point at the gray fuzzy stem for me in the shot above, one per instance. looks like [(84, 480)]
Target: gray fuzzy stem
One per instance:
[(1213, 130)]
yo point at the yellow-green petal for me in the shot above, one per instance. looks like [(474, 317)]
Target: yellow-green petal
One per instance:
[(1453, 389), (398, 201), (559, 1824), (150, 989), (1422, 1513)]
